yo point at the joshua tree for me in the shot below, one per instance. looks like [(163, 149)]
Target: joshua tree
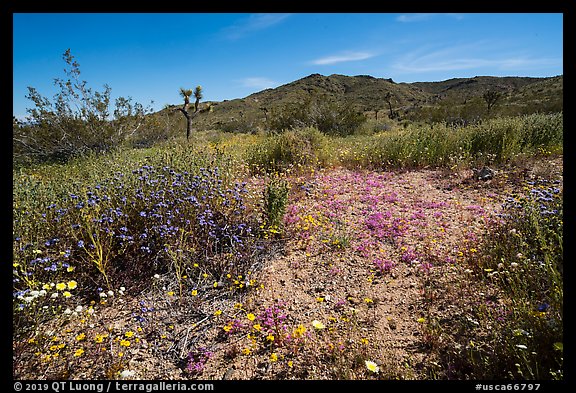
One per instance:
[(265, 110), (189, 116), (388, 98), (491, 97)]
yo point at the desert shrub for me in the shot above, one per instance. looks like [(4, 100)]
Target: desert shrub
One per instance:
[(371, 126), (153, 131), (275, 200), (77, 120), (335, 119), (542, 130), (498, 140), (502, 139), (330, 118), (416, 146), (290, 149), (238, 126), (490, 142)]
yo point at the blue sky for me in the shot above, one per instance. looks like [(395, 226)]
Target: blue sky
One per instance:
[(150, 56)]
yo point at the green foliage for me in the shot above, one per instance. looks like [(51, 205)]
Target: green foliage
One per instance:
[(291, 149), (185, 93), (501, 139), (77, 120), (491, 97), (490, 142), (198, 93), (275, 201), (331, 118), (240, 126), (523, 256)]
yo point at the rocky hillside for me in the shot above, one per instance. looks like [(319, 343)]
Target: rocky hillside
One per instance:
[(410, 100)]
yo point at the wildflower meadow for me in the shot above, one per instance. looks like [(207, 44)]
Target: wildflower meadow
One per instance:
[(296, 255)]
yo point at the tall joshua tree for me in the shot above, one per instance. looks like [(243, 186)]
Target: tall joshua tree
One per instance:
[(388, 98), (186, 94), (491, 97)]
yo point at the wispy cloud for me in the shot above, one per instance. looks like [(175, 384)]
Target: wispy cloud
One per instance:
[(455, 58), (407, 18), (344, 57), (251, 24), (258, 83)]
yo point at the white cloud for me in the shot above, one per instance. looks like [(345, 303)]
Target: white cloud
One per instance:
[(407, 18), (251, 24), (344, 57), (454, 58), (258, 83)]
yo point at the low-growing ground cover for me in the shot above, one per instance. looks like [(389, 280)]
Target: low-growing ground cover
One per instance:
[(199, 263)]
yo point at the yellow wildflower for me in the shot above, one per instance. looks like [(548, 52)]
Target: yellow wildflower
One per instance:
[(125, 343), (299, 331), (100, 337)]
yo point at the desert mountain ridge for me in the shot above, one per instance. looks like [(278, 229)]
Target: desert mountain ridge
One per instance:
[(368, 94)]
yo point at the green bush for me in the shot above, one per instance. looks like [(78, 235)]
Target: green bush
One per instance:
[(331, 118), (275, 201), (542, 130), (77, 120), (290, 149), (490, 142), (502, 139)]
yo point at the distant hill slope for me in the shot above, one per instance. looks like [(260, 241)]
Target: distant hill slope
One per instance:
[(468, 86), (367, 94)]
